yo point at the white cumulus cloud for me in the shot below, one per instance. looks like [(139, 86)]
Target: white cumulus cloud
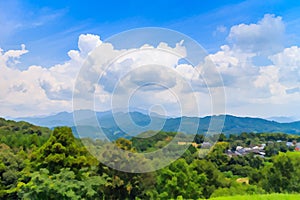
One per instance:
[(264, 37), (252, 88), (39, 90)]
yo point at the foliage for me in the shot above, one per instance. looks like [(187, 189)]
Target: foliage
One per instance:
[(124, 184), (37, 163), (22, 134), (180, 179), (238, 189), (63, 185), (260, 197), (150, 141), (61, 151), (283, 175)]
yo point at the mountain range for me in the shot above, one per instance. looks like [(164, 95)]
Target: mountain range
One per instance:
[(122, 124)]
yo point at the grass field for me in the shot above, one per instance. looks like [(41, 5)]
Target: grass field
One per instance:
[(261, 197)]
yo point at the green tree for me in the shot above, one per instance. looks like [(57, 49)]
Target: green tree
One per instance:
[(62, 151), (180, 179), (217, 155), (214, 178), (10, 166), (63, 185), (284, 174), (124, 184)]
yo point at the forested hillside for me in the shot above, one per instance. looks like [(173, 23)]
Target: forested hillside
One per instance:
[(22, 134), (47, 164), (232, 124)]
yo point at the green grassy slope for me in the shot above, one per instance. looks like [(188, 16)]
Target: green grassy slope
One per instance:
[(261, 197)]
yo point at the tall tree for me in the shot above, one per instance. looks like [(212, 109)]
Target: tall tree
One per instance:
[(62, 151)]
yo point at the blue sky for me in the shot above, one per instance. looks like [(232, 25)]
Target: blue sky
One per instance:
[(56, 25), (255, 45)]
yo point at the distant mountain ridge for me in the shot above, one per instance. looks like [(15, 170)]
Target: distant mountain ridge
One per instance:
[(59, 119), (107, 121), (282, 119)]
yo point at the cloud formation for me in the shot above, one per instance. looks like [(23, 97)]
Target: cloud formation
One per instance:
[(39, 90), (252, 88), (266, 36)]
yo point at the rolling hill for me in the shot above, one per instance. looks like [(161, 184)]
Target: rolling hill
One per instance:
[(117, 125)]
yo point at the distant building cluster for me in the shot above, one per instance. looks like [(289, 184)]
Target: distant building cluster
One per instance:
[(259, 150), (240, 151), (293, 144), (297, 146)]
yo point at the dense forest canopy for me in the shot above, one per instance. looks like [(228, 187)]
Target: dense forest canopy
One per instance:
[(37, 163)]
